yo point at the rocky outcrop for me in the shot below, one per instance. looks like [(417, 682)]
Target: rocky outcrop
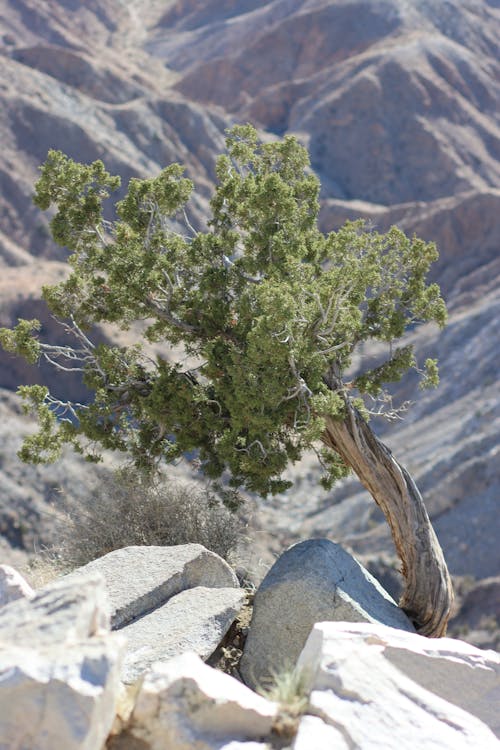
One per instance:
[(312, 581), (357, 685), (139, 579), (195, 620), (166, 600), (59, 669), (381, 687)]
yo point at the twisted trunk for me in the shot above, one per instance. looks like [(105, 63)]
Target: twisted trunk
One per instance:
[(428, 592)]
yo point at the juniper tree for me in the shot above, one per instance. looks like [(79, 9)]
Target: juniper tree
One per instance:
[(270, 311)]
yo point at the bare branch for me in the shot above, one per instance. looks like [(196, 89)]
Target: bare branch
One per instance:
[(228, 263), (384, 407), (188, 223), (61, 408), (247, 448)]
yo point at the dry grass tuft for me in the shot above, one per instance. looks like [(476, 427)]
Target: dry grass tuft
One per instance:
[(130, 509), (288, 689)]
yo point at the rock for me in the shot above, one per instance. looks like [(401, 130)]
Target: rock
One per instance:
[(314, 734), (193, 620), (59, 669), (185, 705), (382, 687), (399, 84), (58, 697), (62, 613), (312, 581), (139, 579), (13, 586)]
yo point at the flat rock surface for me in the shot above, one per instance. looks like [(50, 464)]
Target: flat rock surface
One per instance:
[(139, 579), (193, 620), (184, 704), (315, 734)]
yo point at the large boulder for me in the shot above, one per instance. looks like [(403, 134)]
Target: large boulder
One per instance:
[(139, 579), (382, 687), (185, 704), (193, 620), (167, 600), (59, 669), (312, 581)]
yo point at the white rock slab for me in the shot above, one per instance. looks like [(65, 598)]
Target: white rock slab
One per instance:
[(460, 673), (59, 670), (139, 579), (59, 613), (358, 689), (193, 620), (314, 734), (59, 697), (13, 586), (313, 581), (184, 704), (237, 745)]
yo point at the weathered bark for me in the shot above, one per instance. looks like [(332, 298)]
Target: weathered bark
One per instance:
[(428, 592)]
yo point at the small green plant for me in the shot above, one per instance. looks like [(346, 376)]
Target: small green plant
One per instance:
[(287, 688), (129, 508)]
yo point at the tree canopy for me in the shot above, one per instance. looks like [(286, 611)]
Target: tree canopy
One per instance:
[(269, 309)]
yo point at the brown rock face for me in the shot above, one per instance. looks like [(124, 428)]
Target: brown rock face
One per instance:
[(395, 101)]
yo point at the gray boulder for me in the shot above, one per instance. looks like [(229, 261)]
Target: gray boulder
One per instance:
[(193, 620), (313, 581), (139, 579), (59, 669)]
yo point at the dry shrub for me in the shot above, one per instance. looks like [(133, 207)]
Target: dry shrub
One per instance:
[(129, 508)]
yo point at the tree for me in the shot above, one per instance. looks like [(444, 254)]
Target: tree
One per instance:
[(270, 309)]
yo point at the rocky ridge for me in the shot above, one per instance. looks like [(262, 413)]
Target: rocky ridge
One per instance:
[(358, 684)]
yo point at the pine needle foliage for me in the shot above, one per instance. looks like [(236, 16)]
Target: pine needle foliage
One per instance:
[(271, 308)]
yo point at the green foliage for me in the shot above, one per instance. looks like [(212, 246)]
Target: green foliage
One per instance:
[(20, 340), (271, 309)]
